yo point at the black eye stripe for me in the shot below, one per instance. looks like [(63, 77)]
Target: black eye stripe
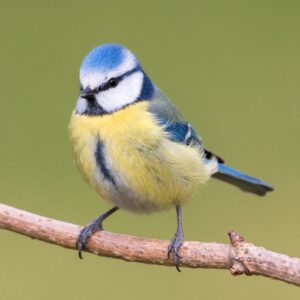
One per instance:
[(107, 85), (116, 80)]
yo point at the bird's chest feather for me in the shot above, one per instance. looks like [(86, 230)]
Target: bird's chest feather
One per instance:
[(127, 158)]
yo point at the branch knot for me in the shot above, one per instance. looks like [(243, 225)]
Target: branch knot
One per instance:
[(238, 254)]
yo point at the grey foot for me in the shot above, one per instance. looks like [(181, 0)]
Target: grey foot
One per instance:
[(174, 247), (88, 230), (84, 236)]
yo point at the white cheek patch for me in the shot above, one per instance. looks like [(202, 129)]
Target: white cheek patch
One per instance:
[(81, 105), (126, 92)]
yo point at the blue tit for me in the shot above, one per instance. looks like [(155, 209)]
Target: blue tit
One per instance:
[(134, 148)]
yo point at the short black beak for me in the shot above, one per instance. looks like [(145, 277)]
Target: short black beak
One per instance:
[(88, 94)]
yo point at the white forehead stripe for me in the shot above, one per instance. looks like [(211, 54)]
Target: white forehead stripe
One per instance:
[(94, 78)]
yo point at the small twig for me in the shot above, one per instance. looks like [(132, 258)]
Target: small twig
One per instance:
[(239, 257)]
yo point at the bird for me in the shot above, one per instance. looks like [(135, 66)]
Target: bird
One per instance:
[(135, 149)]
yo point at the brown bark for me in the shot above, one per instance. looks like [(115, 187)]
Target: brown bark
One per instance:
[(239, 257)]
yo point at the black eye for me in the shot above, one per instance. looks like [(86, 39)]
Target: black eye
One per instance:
[(113, 82)]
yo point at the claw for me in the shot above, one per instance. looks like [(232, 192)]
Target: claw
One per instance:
[(80, 245)]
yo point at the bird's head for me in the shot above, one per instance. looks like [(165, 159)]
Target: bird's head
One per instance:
[(111, 78)]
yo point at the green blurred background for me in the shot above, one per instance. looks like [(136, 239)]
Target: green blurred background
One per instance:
[(231, 67)]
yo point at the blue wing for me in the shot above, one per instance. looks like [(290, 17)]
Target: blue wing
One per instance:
[(167, 116), (178, 129), (180, 132)]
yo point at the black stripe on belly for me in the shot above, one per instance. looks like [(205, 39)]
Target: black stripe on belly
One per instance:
[(101, 162)]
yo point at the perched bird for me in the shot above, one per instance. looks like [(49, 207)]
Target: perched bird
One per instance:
[(134, 148)]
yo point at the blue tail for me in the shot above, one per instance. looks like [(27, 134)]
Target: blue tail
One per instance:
[(241, 180)]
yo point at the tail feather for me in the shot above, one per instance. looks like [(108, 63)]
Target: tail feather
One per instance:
[(241, 180)]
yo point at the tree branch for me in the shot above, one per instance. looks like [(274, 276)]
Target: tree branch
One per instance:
[(239, 257)]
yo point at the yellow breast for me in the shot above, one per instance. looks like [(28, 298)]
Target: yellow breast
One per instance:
[(150, 172)]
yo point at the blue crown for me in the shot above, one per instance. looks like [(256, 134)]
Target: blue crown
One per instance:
[(104, 58)]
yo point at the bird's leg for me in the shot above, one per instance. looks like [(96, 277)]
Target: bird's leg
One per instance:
[(177, 240), (91, 228)]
